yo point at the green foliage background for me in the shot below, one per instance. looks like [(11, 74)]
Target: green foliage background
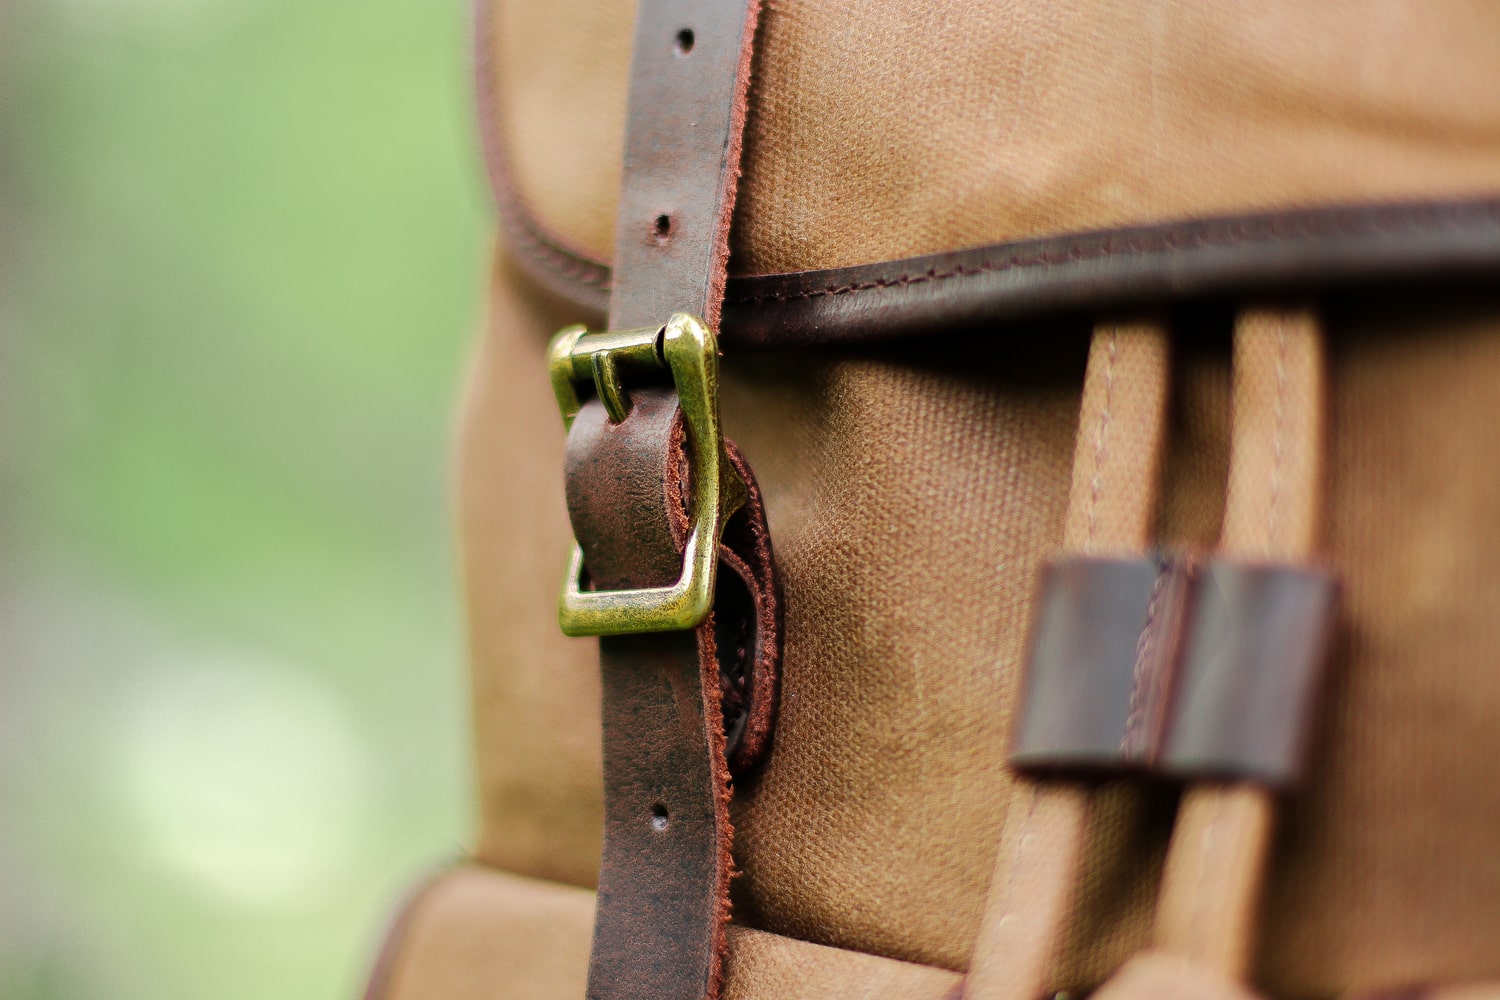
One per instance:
[(241, 245)]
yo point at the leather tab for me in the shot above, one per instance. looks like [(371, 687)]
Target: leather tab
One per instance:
[(638, 466), (1098, 684), (1195, 670), (1252, 660)]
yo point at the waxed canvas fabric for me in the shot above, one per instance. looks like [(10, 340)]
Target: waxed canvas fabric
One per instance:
[(1367, 887), (885, 130), (913, 490), (477, 932)]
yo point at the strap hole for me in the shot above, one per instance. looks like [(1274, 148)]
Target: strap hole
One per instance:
[(658, 817), (684, 43), (662, 227)]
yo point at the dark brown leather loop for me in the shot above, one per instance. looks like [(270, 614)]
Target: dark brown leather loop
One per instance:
[(749, 627), (1099, 678), (1252, 662), (640, 466), (664, 881), (1186, 668)]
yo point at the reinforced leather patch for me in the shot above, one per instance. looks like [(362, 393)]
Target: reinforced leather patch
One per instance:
[(1257, 640), (1103, 650)]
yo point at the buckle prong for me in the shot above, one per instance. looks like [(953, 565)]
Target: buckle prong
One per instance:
[(607, 384), (687, 349)]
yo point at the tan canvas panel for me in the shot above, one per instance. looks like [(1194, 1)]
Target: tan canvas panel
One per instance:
[(475, 929), (893, 129), (477, 933), (911, 502), (913, 490)]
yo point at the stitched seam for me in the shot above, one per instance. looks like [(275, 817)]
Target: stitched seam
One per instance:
[(570, 264), (597, 274), (1209, 863), (736, 684), (518, 220), (1022, 841), (553, 256), (1140, 676), (1270, 231), (1101, 438), (1278, 446)]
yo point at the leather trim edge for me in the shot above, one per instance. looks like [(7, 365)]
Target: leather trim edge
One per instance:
[(1109, 269), (561, 269), (398, 924), (1294, 249)]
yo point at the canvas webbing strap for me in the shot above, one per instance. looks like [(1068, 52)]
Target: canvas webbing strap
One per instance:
[(1111, 504), (1210, 890), (689, 627)]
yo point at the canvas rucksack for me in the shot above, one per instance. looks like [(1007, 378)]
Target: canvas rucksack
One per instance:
[(1114, 600)]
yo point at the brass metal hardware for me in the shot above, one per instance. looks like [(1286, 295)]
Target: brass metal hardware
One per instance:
[(686, 349)]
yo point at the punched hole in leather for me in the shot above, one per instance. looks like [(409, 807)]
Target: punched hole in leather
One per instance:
[(663, 898)]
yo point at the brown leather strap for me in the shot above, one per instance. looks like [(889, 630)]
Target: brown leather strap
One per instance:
[(664, 882), (663, 896), (689, 77)]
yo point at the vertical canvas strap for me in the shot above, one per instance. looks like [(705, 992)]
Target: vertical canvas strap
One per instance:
[(1201, 668), (1111, 505), (1208, 907), (1210, 889)]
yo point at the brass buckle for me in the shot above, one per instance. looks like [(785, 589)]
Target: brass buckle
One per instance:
[(686, 348)]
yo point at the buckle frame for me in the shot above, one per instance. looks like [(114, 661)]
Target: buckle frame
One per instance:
[(687, 349)]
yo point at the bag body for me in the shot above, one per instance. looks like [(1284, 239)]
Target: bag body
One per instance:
[(947, 215)]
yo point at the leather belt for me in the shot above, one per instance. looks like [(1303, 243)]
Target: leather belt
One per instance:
[(674, 569)]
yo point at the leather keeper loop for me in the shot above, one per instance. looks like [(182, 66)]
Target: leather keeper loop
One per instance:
[(1098, 684), (1184, 668), (669, 700), (626, 490), (1252, 660)]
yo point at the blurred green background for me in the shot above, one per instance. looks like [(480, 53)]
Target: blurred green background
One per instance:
[(241, 248)]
